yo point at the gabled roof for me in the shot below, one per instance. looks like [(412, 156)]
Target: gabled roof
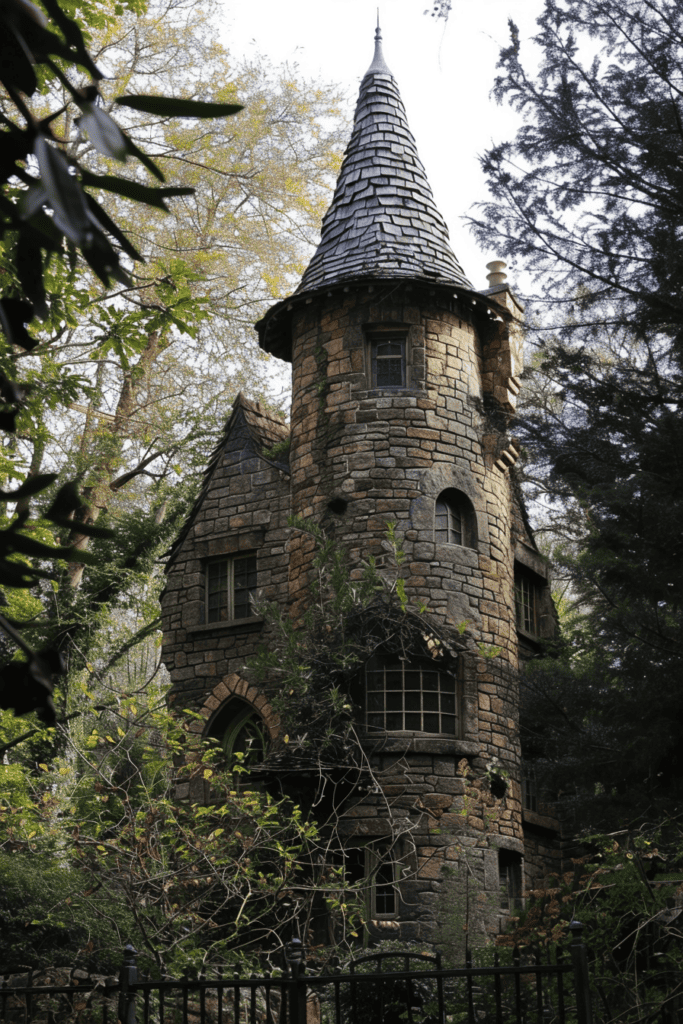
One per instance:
[(383, 221), (249, 430)]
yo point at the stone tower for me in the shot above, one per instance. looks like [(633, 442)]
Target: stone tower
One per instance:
[(403, 381)]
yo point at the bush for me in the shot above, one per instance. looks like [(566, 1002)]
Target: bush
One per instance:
[(45, 922)]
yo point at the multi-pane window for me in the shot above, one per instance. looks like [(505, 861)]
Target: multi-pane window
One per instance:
[(243, 739), (375, 865), (388, 358), (381, 868), (529, 793), (412, 697), (230, 583), (454, 519), (526, 603)]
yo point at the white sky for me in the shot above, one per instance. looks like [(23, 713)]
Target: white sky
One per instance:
[(444, 73)]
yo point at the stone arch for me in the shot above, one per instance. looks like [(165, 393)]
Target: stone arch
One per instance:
[(443, 477), (234, 686)]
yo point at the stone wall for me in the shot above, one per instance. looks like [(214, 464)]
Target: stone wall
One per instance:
[(386, 455), (361, 457), (91, 996), (244, 507), (448, 830)]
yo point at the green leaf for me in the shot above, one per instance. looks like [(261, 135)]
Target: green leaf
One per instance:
[(133, 189), (64, 193), (170, 106), (104, 133), (32, 485), (144, 159), (108, 224)]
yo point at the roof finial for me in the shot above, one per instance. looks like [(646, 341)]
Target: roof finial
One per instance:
[(378, 65)]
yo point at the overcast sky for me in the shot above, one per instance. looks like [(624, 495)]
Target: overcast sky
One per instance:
[(444, 73)]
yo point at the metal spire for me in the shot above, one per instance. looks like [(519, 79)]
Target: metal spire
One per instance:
[(378, 65)]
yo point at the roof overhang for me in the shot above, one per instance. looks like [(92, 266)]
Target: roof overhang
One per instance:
[(274, 329)]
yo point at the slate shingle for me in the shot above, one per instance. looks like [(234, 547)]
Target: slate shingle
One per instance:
[(383, 221)]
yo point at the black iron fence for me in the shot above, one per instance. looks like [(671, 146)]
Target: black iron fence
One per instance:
[(379, 988)]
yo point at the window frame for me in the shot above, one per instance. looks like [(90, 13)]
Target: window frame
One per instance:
[(385, 705), (245, 716), (379, 854), (529, 793), (393, 335), (455, 504), (527, 594), (510, 880), (230, 604)]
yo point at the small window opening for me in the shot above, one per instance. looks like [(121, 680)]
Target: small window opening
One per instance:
[(230, 584), (375, 863), (388, 359), (510, 877), (454, 519), (338, 506)]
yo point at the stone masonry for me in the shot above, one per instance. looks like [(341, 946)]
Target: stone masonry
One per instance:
[(361, 456)]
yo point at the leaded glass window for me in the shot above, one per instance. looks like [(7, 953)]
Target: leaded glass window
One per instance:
[(230, 583), (388, 357), (526, 603), (454, 519), (412, 697)]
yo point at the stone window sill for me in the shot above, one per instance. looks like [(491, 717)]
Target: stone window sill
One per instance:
[(406, 743), (231, 626), (531, 638)]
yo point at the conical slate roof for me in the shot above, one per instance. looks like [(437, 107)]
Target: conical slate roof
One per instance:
[(383, 221)]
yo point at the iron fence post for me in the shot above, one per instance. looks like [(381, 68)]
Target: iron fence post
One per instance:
[(295, 954), (127, 977), (584, 1009)]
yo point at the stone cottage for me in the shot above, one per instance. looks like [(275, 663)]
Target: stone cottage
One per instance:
[(404, 380)]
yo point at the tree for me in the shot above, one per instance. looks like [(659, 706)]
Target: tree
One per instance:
[(77, 221), (588, 197), (108, 371), (624, 892)]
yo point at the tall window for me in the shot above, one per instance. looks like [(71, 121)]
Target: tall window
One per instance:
[(230, 583), (388, 359), (527, 598), (529, 792), (382, 870), (375, 862), (454, 521), (510, 877), (413, 697)]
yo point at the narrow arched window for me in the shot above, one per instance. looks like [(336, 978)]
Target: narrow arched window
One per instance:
[(239, 729), (454, 519)]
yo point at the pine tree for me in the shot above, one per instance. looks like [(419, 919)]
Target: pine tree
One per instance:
[(589, 198)]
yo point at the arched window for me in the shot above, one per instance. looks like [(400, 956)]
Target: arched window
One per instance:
[(241, 733), (454, 519), (410, 697)]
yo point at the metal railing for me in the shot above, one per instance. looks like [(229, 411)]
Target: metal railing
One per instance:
[(378, 988)]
